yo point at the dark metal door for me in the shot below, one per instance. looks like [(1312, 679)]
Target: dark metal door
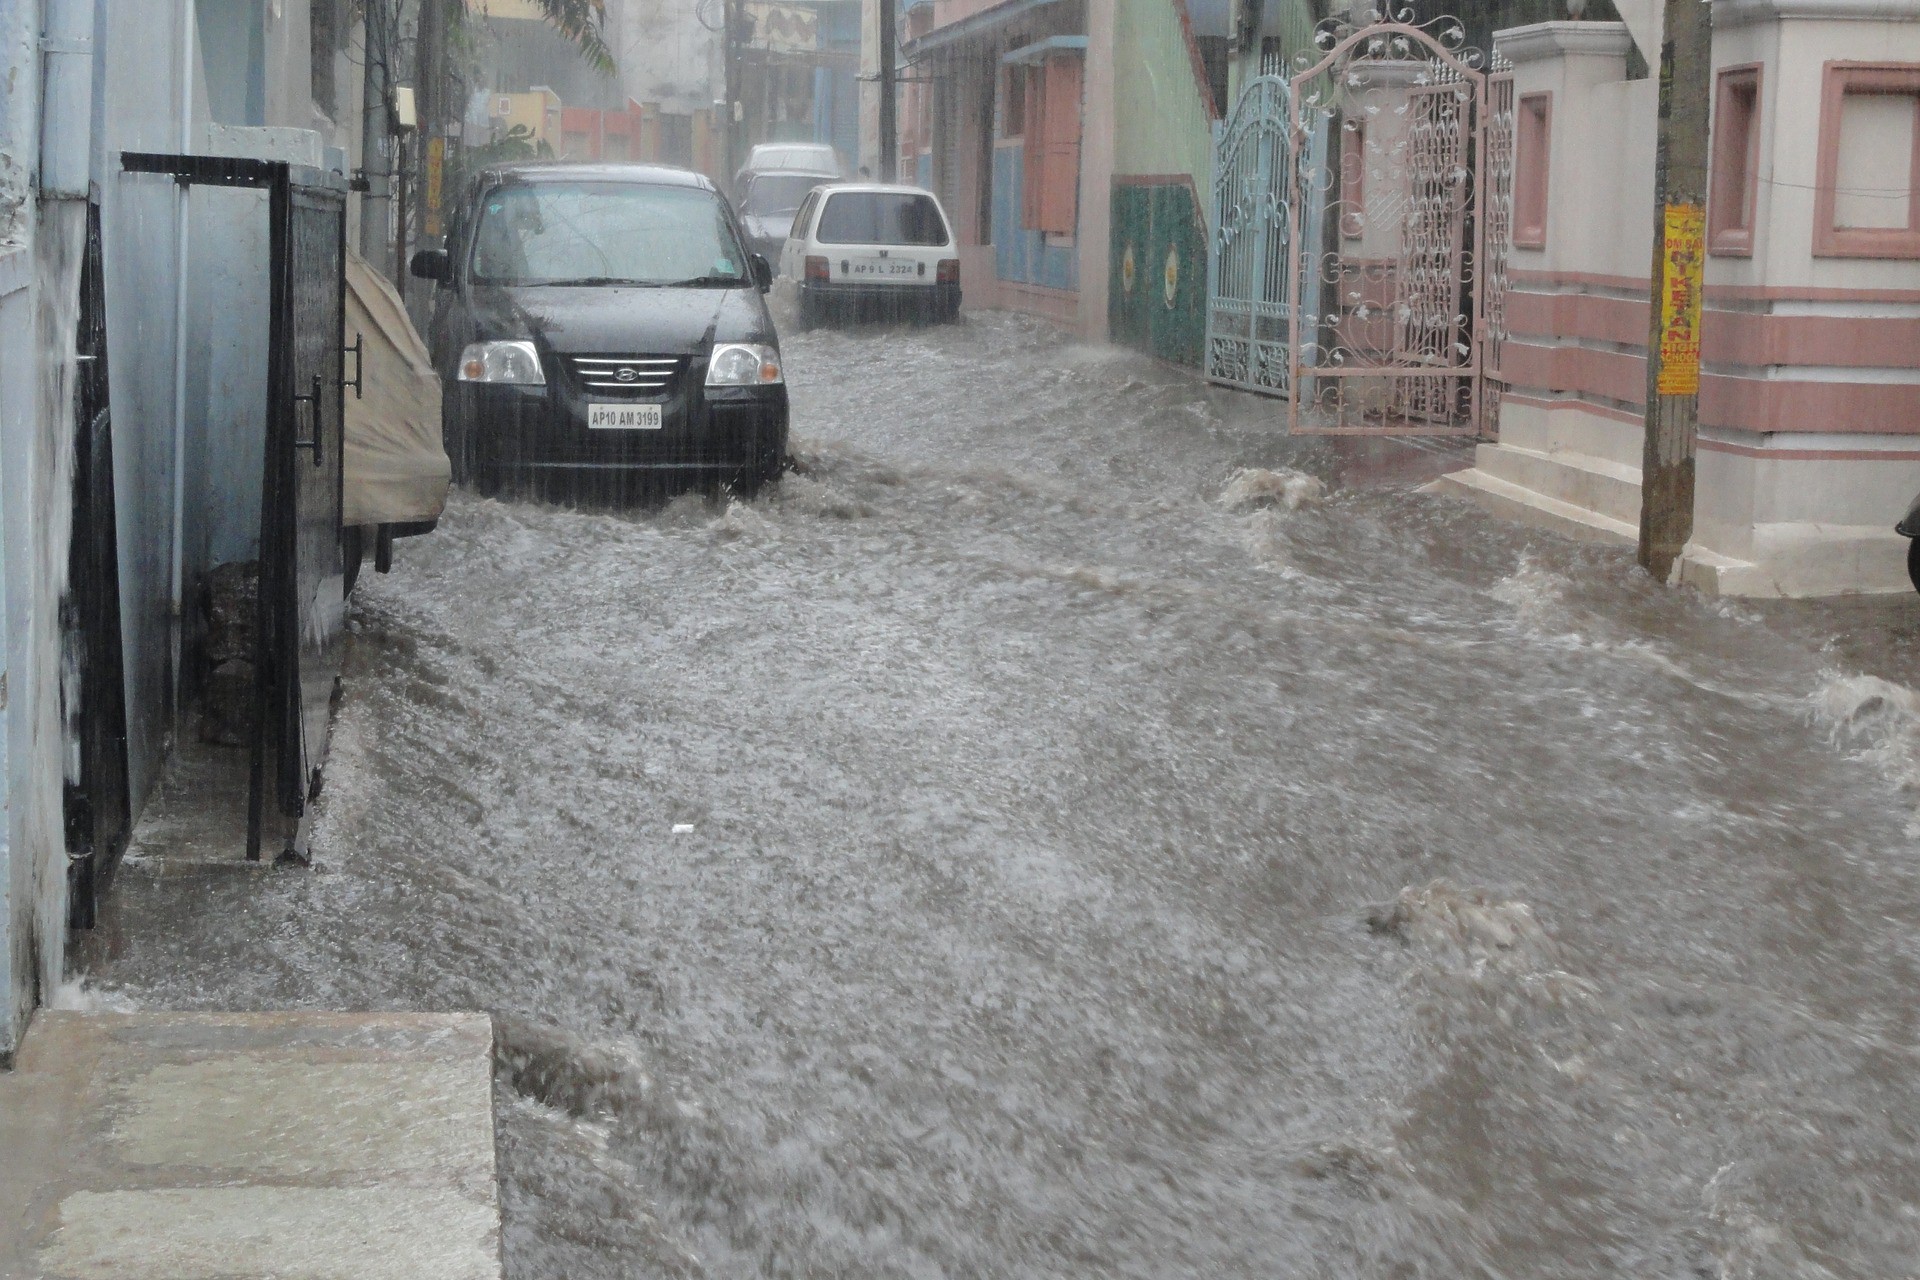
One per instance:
[(302, 601), (92, 688)]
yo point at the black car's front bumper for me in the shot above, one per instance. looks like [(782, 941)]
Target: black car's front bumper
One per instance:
[(537, 438)]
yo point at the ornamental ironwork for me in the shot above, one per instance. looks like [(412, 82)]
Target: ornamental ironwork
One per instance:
[(1362, 203)]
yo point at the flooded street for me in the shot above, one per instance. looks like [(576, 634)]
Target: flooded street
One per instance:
[(1044, 838)]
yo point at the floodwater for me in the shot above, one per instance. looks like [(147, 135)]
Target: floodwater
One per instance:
[(1048, 837)]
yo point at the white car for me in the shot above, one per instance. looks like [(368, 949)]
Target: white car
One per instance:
[(868, 246), (799, 157)]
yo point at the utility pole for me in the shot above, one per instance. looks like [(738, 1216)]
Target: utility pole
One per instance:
[(431, 81), (889, 66), (735, 15), (1679, 265), (376, 138)]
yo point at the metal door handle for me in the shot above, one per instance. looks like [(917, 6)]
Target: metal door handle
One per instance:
[(359, 354), (317, 443)]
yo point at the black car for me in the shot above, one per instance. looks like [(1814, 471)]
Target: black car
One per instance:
[(768, 202), (601, 328)]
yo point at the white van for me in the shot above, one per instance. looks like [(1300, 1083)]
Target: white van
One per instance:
[(868, 246)]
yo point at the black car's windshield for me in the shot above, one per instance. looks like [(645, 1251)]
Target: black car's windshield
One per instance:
[(771, 194), (882, 217), (605, 233)]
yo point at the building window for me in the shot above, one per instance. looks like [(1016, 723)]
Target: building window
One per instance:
[(1353, 178), (1532, 162), (1736, 161), (1865, 201)]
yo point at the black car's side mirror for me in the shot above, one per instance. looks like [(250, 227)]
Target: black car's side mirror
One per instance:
[(762, 272), (432, 264)]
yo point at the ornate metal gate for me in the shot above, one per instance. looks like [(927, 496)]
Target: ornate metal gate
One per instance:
[(1249, 308), (1362, 208)]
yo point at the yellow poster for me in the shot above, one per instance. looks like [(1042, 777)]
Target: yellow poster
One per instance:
[(1681, 285), (436, 178)]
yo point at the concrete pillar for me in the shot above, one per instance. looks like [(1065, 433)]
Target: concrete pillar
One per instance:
[(1096, 167)]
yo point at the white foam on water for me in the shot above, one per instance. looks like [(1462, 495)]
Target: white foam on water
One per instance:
[(1470, 929), (1251, 488), (79, 996), (1879, 720), (1536, 595)]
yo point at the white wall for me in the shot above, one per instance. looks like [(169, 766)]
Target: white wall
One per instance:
[(665, 54), (1601, 145), (1795, 53)]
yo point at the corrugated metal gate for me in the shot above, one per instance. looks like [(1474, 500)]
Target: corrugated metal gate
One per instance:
[(1362, 214), (301, 606)]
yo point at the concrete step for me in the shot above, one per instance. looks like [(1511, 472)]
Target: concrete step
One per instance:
[(196, 1146), (1527, 506), (1600, 485)]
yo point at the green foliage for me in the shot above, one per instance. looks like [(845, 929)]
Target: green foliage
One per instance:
[(517, 144), (580, 21)]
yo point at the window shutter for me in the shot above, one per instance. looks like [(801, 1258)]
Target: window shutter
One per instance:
[(1033, 146), (1060, 178)]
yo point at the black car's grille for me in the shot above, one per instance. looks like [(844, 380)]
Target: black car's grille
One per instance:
[(627, 375)]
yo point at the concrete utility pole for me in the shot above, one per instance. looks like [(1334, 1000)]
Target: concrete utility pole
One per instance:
[(376, 139), (735, 154), (431, 81), (1679, 265), (889, 91)]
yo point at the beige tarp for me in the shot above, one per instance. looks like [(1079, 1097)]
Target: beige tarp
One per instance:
[(396, 465)]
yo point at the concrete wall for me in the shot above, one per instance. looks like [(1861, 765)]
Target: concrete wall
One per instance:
[(1809, 445), (147, 99), (665, 55)]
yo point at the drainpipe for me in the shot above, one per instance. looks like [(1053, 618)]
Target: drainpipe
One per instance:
[(66, 112), (66, 163), (19, 152), (183, 244), (376, 139)]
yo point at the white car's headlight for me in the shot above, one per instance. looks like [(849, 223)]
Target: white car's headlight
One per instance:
[(515, 363), (744, 364)]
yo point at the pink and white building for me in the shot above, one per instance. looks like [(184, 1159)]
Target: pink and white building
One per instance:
[(1809, 446)]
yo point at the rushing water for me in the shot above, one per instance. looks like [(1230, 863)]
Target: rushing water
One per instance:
[(1114, 841)]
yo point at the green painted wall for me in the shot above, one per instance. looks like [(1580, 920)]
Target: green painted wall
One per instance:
[(1161, 122), (1164, 128), (1159, 305)]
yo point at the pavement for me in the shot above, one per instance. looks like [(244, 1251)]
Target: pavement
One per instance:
[(324, 1146)]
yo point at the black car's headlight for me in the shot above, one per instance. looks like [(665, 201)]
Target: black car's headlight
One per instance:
[(512, 363), (744, 364)]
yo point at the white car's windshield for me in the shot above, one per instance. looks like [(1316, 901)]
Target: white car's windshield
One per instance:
[(590, 233), (882, 217)]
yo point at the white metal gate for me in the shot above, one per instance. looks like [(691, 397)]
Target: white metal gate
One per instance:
[(1362, 207), (1249, 306)]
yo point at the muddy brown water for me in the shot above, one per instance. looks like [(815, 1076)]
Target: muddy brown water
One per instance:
[(1088, 876)]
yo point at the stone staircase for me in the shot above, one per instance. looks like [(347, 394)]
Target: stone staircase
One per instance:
[(196, 1146)]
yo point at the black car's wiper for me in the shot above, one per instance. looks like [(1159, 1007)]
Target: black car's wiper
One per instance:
[(705, 282), (587, 282)]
